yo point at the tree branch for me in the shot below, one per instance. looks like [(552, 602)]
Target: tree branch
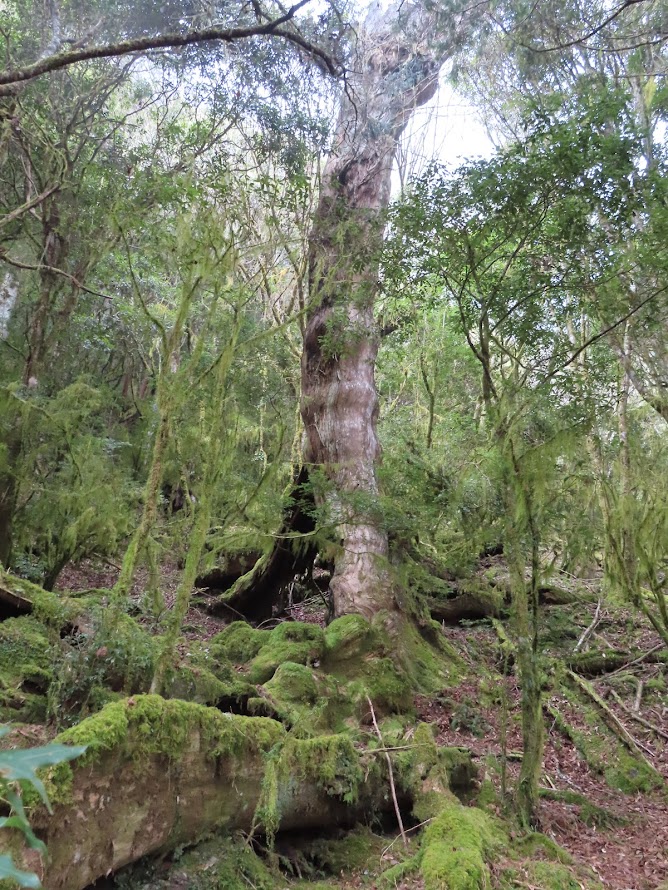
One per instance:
[(273, 28)]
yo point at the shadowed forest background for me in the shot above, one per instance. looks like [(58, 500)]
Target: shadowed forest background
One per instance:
[(333, 524)]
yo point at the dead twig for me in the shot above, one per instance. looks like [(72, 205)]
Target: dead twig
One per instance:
[(590, 630), (613, 720), (391, 775), (637, 717), (638, 660)]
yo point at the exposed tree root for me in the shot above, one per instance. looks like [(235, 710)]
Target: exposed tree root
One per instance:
[(260, 591)]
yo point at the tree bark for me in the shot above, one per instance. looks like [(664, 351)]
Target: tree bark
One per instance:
[(394, 70)]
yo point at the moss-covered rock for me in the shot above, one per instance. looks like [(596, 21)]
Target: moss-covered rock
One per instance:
[(264, 650), (237, 643), (200, 685)]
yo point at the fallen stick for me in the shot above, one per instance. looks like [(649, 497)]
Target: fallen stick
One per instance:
[(391, 775), (637, 717), (637, 660), (613, 720), (590, 630)]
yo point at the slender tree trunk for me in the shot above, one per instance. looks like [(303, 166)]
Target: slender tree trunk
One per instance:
[(394, 71)]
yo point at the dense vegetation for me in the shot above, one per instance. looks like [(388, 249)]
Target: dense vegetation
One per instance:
[(213, 324)]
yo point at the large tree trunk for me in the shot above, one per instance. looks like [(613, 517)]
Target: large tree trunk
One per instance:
[(395, 70)]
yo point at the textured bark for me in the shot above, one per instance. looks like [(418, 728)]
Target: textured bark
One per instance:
[(394, 71)]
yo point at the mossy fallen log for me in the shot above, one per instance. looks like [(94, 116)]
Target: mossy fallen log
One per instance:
[(19, 597), (604, 661), (478, 598), (161, 773)]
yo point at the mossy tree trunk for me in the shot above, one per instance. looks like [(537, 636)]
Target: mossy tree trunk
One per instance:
[(395, 69)]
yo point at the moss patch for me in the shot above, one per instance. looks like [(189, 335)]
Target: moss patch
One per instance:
[(456, 847), (264, 650), (27, 653), (290, 641), (148, 725), (54, 609)]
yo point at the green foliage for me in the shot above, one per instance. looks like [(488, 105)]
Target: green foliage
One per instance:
[(99, 665), (78, 491)]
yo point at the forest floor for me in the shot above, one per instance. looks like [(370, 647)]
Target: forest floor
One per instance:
[(622, 838)]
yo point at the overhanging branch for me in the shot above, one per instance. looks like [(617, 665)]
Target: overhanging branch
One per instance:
[(273, 28)]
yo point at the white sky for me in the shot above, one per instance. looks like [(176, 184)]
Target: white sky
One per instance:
[(448, 129)]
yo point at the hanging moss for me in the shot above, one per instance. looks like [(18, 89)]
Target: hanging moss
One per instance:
[(332, 763)]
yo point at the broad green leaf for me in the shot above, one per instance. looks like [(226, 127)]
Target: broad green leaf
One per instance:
[(19, 820), (21, 766), (22, 878)]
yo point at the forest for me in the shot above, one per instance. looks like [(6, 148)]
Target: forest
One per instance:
[(333, 474)]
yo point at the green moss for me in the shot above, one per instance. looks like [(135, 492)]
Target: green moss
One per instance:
[(631, 775), (381, 680), (53, 609), (120, 662), (605, 753), (538, 843), (331, 762), (348, 637), (265, 650), (290, 641), (294, 683), (27, 652), (428, 772), (200, 685), (590, 814), (456, 847), (552, 876), (353, 851), (148, 725), (238, 642), (221, 864)]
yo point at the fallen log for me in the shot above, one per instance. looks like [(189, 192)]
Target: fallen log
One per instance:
[(158, 774), (19, 597)]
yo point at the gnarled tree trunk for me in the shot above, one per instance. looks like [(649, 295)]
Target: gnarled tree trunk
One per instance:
[(395, 70)]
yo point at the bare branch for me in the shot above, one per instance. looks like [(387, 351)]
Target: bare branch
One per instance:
[(273, 28)]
